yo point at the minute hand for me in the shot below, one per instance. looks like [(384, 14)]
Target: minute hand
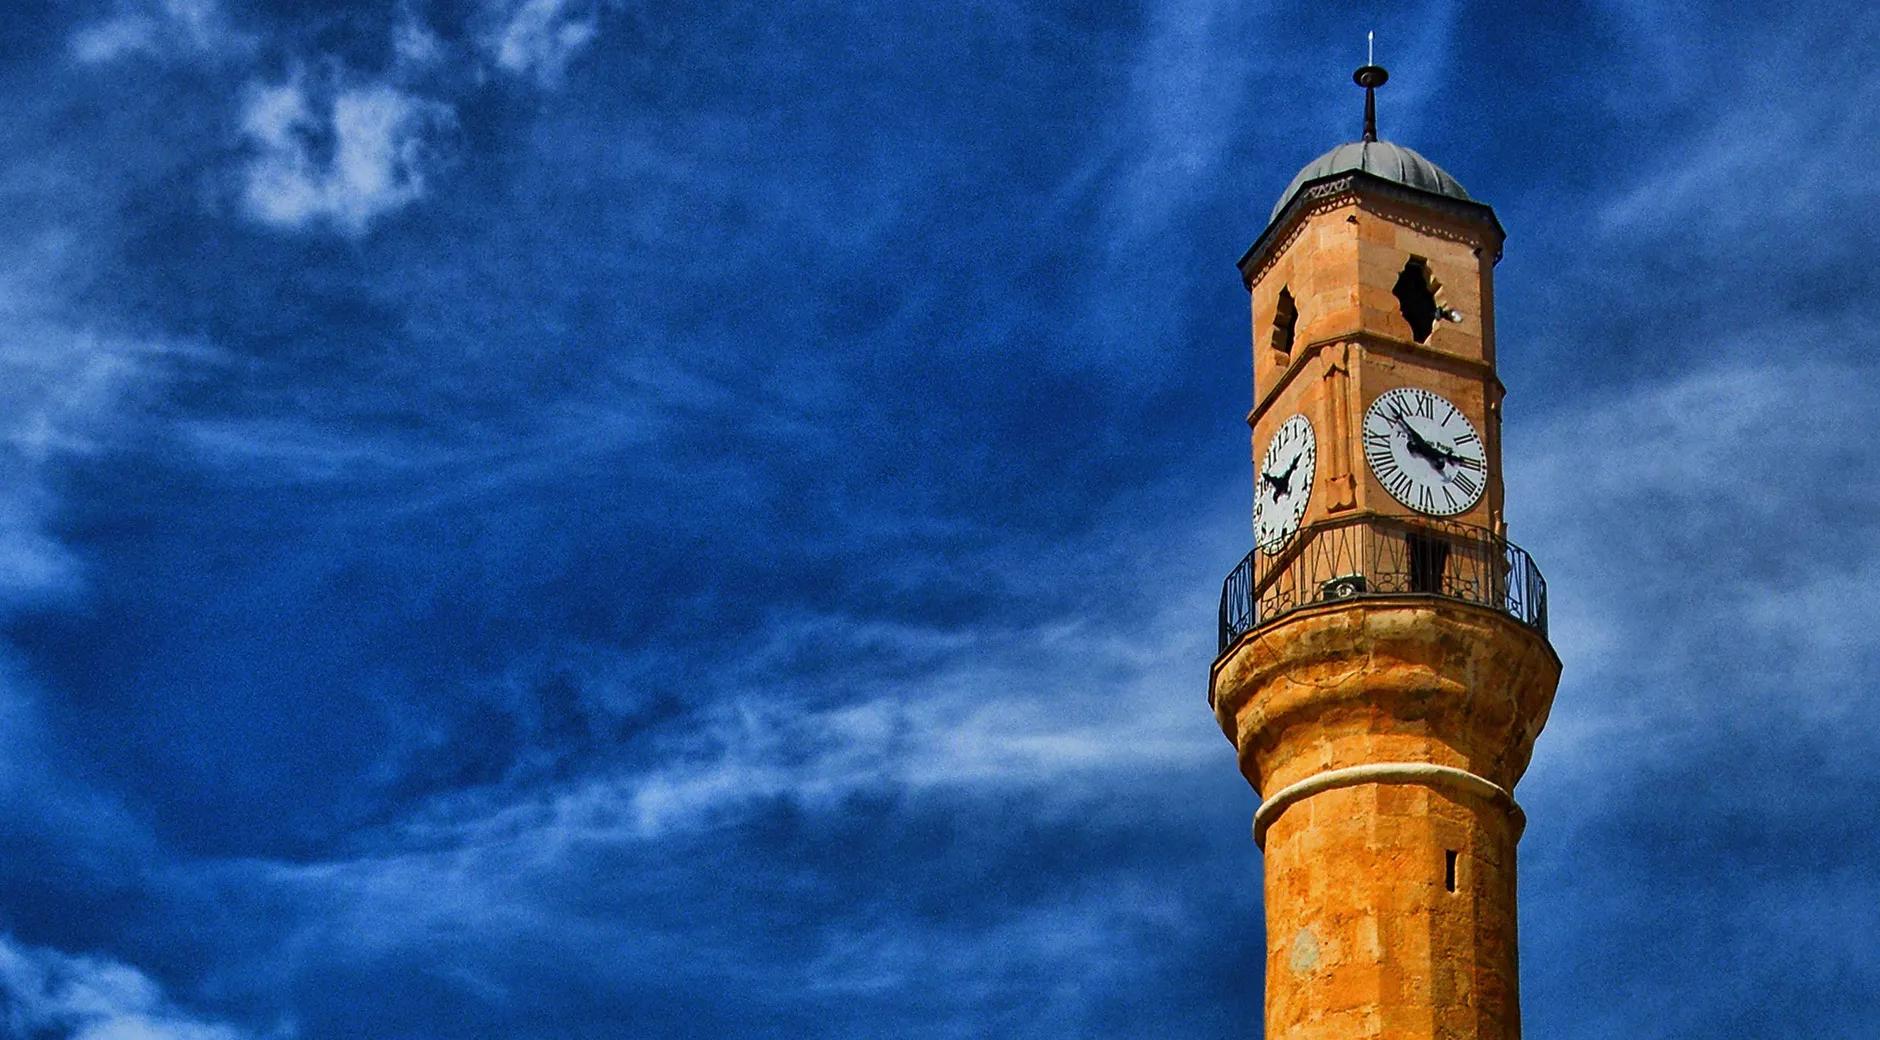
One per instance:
[(1418, 444), (1450, 454)]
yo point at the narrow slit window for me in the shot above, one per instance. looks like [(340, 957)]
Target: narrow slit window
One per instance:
[(1285, 319), (1416, 292), (1449, 870)]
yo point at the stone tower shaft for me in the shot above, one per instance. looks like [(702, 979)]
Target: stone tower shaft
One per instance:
[(1387, 738)]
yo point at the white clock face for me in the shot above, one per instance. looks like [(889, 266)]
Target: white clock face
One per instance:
[(1424, 451), (1283, 483)]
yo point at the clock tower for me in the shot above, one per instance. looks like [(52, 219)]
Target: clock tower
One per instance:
[(1384, 665)]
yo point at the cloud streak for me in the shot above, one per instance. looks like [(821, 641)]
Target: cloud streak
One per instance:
[(45, 992), (537, 39), (162, 29), (342, 157)]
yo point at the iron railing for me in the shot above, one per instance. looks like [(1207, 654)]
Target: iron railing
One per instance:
[(1381, 556)]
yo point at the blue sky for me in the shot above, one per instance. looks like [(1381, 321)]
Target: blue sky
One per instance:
[(585, 518)]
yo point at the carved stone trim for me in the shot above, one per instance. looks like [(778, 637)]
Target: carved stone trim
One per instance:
[(1326, 194), (1376, 341), (1427, 773), (1338, 479)]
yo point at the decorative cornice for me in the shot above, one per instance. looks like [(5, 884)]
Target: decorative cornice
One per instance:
[(1373, 341), (1426, 773), (1328, 193)]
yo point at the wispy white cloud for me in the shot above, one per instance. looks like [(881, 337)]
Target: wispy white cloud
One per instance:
[(1702, 537), (49, 993), (494, 868), (338, 153), (414, 44), (1186, 87), (341, 157), (1197, 89), (977, 714), (462, 910), (69, 394), (65, 393), (1101, 922), (282, 449), (158, 28), (1058, 712), (1762, 150), (537, 39)]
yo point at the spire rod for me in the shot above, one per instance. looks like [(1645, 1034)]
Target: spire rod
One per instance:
[(1370, 76)]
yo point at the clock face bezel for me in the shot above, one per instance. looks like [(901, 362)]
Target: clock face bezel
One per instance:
[(1295, 439), (1424, 451)]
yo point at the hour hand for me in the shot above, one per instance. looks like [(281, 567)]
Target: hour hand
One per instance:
[(1418, 444)]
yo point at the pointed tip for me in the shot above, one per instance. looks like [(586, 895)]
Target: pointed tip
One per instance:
[(1370, 77)]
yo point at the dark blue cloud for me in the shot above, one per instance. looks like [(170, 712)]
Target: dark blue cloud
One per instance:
[(545, 518)]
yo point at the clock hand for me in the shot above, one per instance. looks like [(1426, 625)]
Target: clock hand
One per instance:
[(1417, 444), (1440, 448), (1282, 484), (1451, 455)]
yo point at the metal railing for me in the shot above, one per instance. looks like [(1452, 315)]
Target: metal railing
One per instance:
[(1381, 556)]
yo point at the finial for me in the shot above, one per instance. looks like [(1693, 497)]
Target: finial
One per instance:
[(1370, 76)]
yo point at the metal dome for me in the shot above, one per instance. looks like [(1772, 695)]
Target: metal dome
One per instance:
[(1393, 162)]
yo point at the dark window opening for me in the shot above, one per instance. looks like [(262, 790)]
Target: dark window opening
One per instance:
[(1428, 558), (1285, 318), (1416, 297), (1449, 870)]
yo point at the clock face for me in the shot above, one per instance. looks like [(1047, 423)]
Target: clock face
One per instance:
[(1283, 483), (1424, 451)]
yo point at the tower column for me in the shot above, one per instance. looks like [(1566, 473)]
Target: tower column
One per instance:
[(1392, 734)]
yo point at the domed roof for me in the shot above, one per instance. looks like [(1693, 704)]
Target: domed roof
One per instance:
[(1393, 162)]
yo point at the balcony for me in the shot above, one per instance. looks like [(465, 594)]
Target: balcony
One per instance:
[(1368, 556)]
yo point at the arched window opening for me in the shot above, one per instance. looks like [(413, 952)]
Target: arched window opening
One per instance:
[(1416, 291), (1285, 319)]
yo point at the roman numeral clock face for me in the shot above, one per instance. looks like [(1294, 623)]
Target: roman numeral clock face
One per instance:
[(1424, 451), (1283, 484)]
